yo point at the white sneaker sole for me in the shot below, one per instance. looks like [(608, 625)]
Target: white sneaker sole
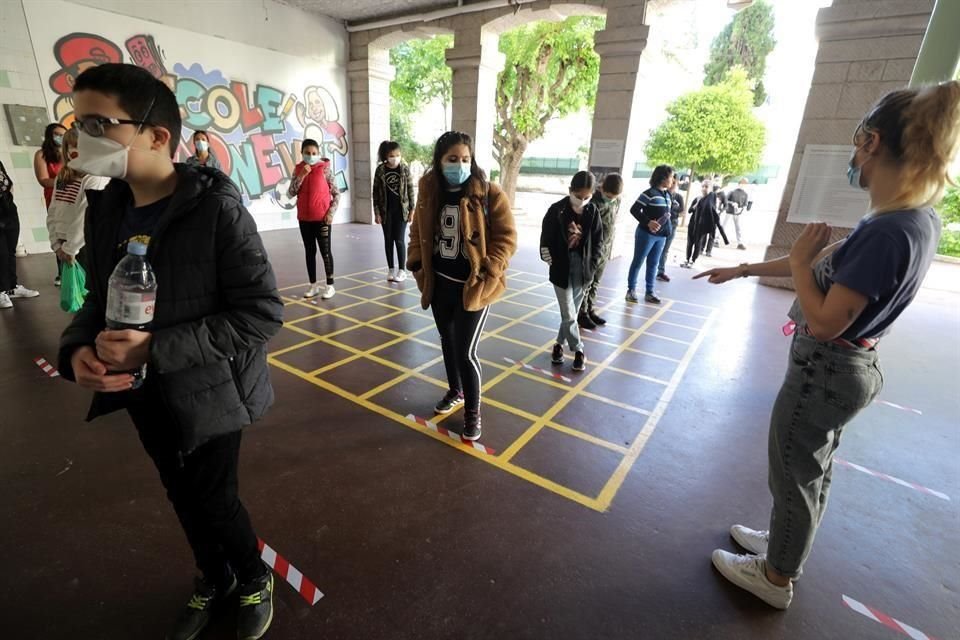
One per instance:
[(471, 439), (452, 408), (736, 578)]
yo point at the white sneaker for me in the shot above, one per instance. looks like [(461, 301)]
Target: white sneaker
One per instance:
[(391, 275), (401, 275), (5, 302), (750, 539), (749, 573), (56, 281), (313, 291), (328, 293), (21, 291)]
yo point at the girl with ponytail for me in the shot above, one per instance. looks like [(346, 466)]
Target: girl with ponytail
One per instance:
[(849, 295)]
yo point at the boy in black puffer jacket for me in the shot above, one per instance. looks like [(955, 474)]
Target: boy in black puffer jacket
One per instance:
[(216, 307)]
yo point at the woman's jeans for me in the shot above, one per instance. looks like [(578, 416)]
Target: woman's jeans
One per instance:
[(825, 387), (646, 246)]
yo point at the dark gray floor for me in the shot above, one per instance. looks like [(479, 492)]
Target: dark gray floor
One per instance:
[(411, 539)]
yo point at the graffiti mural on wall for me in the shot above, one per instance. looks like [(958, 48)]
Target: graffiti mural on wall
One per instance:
[(255, 132)]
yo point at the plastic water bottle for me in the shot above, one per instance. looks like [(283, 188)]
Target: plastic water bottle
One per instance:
[(131, 295)]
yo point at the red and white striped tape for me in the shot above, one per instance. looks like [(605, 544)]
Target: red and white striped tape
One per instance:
[(48, 368), (550, 374), (453, 435), (883, 476), (289, 573), (899, 406), (885, 620)]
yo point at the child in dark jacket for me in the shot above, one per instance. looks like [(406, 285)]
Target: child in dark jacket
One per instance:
[(205, 351), (393, 201), (571, 242)]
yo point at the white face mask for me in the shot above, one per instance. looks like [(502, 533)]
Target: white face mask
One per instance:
[(101, 156), (577, 203), (393, 161)]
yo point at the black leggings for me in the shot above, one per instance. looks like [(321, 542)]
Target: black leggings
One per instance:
[(313, 234), (395, 235), (459, 336), (9, 236), (204, 491)]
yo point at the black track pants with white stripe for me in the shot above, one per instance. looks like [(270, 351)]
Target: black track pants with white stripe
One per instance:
[(459, 336)]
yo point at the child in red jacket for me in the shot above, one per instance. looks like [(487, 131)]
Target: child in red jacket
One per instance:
[(317, 200)]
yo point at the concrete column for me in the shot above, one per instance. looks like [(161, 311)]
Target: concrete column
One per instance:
[(620, 46), (475, 61), (867, 47), (370, 78), (940, 52)]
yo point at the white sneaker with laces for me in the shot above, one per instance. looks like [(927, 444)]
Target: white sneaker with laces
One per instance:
[(56, 281), (401, 275), (391, 275), (328, 293), (749, 573), (21, 291), (750, 539), (5, 302), (313, 291)]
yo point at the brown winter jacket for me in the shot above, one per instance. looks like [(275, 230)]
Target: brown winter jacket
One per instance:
[(490, 244)]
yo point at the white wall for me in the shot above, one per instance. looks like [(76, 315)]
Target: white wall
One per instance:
[(256, 42)]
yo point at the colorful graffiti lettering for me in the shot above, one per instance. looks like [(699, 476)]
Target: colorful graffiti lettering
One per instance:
[(255, 134)]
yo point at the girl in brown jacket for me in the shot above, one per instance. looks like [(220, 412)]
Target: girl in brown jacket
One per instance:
[(461, 241)]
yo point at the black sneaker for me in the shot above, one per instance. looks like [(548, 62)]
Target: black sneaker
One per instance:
[(584, 321), (742, 247), (651, 298), (579, 361), (256, 608), (708, 254), (451, 401), (471, 425), (557, 356), (663, 277), (195, 618), (596, 319)]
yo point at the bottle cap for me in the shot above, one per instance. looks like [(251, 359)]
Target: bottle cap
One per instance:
[(136, 248)]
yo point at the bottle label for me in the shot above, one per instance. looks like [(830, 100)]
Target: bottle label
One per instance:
[(130, 307)]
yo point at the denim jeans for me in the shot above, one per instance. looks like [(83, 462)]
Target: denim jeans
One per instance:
[(570, 300), (662, 267), (646, 246), (825, 387)]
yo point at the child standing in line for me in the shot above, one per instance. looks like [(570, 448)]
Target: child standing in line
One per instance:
[(317, 199), (571, 242), (607, 201), (393, 202), (69, 204)]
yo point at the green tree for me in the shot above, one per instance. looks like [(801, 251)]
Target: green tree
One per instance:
[(551, 71), (949, 209), (711, 131), (745, 41), (422, 74)]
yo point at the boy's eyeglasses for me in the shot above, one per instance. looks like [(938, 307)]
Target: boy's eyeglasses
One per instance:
[(94, 125)]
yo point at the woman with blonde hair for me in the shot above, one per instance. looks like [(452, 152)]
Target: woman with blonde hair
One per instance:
[(849, 294)]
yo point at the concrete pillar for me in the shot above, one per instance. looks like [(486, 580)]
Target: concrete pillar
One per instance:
[(620, 46), (370, 75), (867, 47), (475, 61), (940, 52)]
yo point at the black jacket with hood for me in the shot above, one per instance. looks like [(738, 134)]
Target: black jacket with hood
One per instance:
[(554, 236), (217, 305)]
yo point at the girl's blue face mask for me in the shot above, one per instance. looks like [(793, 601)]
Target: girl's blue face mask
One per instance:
[(456, 173)]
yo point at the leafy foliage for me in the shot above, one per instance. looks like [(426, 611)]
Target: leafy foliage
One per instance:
[(711, 131), (422, 76), (745, 41), (551, 71), (949, 210)]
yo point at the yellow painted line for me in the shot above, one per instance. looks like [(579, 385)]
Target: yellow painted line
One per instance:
[(614, 403), (513, 469), (682, 326), (523, 373), (520, 442), (657, 335), (637, 375), (280, 352), (612, 485), (652, 355), (586, 437), (334, 365), (696, 304)]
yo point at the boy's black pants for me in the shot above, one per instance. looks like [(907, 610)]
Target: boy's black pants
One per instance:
[(203, 489)]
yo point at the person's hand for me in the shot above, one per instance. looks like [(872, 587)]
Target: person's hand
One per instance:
[(721, 275), (379, 219), (654, 226), (305, 170), (124, 350), (91, 373), (64, 256), (410, 216), (808, 246), (328, 219)]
